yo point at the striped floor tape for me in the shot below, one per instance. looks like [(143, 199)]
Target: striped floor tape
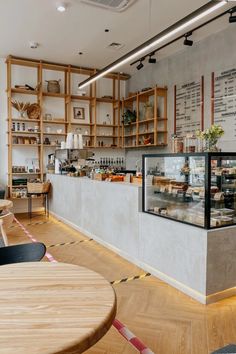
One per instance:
[(121, 328), (125, 280), (69, 243), (131, 338), (48, 255), (31, 224)]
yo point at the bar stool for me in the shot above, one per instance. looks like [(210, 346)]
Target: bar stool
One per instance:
[(45, 202)]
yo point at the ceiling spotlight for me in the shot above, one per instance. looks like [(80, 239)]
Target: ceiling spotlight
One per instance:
[(140, 65), (188, 41), (152, 60), (61, 7), (33, 45), (232, 18)]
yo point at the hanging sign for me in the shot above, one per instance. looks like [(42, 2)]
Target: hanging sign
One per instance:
[(224, 102), (189, 107)]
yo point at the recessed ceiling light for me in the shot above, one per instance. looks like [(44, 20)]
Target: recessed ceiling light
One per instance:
[(33, 45), (61, 7)]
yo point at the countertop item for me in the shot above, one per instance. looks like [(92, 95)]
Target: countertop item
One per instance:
[(50, 308)]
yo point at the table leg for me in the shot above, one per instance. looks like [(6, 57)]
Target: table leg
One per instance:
[(30, 206), (47, 206)]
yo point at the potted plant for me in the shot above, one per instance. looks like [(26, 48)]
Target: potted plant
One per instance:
[(21, 107), (210, 137), (129, 117)]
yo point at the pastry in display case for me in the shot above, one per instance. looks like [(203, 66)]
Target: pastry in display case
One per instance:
[(193, 188)]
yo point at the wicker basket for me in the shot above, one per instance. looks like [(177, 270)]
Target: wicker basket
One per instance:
[(40, 187), (34, 111)]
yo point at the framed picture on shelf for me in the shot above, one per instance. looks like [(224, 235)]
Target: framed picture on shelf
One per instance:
[(78, 113)]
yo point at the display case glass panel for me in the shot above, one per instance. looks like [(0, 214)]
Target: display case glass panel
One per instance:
[(223, 190), (197, 189)]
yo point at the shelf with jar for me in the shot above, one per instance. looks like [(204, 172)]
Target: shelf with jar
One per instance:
[(145, 118), (47, 96)]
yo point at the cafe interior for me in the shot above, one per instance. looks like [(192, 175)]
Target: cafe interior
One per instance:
[(117, 177)]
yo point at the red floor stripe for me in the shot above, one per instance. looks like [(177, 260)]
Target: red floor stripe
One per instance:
[(122, 329), (48, 255), (131, 338)]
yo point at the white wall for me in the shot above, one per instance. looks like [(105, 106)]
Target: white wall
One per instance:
[(3, 123), (215, 53)]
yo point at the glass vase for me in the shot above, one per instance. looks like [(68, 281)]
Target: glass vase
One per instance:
[(210, 145)]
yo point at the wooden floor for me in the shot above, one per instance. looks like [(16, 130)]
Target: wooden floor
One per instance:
[(166, 320)]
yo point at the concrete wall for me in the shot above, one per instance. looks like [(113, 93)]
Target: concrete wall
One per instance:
[(215, 53)]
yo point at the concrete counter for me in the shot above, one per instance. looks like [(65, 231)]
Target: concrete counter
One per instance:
[(199, 262)]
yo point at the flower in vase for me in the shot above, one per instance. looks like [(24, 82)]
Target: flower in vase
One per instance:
[(211, 136)]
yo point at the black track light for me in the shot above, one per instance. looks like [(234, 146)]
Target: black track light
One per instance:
[(152, 60), (232, 18), (140, 65), (187, 41)]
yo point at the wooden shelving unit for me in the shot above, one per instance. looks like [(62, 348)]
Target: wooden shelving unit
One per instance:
[(135, 133), (111, 133)]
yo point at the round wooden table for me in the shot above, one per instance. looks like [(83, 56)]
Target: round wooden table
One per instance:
[(5, 204), (48, 308)]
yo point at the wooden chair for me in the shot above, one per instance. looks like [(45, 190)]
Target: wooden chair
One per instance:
[(27, 252), (5, 222)]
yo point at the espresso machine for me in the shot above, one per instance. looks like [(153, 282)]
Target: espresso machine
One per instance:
[(67, 160)]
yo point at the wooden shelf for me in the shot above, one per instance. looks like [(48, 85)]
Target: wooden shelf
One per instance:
[(107, 126), (81, 98), (27, 145), (56, 95), (145, 133), (130, 135), (128, 125), (20, 186), (25, 198), (106, 147), (64, 119), (106, 136), (55, 122), (82, 124), (105, 100), (24, 92), (57, 134), (150, 124), (24, 120), (131, 98), (23, 132), (149, 92), (146, 121)]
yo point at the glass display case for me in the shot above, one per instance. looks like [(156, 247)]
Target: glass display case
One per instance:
[(197, 189)]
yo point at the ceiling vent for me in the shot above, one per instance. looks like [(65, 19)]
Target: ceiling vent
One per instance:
[(115, 46), (113, 5)]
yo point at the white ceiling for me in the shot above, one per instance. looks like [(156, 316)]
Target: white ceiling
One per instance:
[(81, 28)]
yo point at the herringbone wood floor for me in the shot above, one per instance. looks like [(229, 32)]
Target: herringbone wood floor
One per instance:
[(166, 320)]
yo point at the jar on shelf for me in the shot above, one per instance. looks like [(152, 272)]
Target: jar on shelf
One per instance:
[(190, 143), (177, 144)]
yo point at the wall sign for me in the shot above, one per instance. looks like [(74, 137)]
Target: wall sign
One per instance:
[(224, 102), (189, 107)]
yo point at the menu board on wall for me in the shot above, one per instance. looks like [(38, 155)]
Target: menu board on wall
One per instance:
[(189, 98), (224, 102)]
